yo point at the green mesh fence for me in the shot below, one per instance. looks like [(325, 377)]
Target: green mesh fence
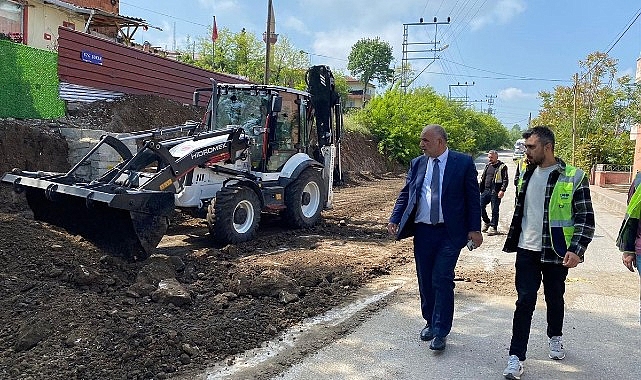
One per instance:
[(28, 83)]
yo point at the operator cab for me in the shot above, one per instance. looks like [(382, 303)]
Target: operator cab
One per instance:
[(273, 119)]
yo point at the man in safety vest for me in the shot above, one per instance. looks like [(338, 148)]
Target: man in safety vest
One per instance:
[(629, 239), (492, 186), (553, 224), (521, 166)]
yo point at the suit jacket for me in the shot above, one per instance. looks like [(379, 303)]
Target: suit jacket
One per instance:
[(460, 201)]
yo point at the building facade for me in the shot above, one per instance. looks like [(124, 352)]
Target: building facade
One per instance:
[(356, 98)]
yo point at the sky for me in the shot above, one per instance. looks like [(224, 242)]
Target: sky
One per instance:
[(501, 51)]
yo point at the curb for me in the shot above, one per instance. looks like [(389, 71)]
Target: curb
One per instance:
[(614, 201)]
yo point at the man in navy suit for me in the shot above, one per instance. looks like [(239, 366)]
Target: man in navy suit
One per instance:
[(440, 206)]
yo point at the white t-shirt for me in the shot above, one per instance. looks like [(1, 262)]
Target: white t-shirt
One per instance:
[(532, 223)]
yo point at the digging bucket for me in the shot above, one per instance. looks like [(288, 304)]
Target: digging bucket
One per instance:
[(121, 221)]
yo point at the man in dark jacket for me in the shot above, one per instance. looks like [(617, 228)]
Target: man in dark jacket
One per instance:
[(439, 207), (493, 185)]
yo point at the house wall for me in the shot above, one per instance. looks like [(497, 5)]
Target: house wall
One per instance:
[(43, 22), (355, 97), (611, 178), (116, 67), (10, 17)]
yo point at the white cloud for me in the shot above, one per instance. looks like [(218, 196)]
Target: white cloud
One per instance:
[(513, 93), (294, 23), (219, 5), (503, 12)]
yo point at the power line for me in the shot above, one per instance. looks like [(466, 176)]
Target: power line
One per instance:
[(518, 77), (163, 14), (613, 44), (504, 78)]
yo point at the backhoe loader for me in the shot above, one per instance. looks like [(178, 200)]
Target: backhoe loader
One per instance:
[(259, 149)]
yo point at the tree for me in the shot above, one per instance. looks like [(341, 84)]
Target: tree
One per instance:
[(289, 65), (606, 107), (239, 53), (515, 133), (370, 59), (396, 118)]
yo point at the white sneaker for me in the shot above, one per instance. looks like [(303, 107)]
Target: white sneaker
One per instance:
[(514, 368), (556, 348), (492, 231), (485, 227)]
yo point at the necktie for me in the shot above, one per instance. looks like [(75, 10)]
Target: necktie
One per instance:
[(435, 187)]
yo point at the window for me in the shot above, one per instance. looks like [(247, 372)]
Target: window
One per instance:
[(11, 20)]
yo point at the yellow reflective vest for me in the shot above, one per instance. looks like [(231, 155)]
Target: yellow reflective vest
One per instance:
[(498, 177), (628, 231), (560, 216), (521, 167), (561, 221)]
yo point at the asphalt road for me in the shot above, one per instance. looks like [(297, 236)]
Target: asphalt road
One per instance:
[(601, 332)]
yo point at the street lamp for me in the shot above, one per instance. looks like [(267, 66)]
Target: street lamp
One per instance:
[(309, 56)]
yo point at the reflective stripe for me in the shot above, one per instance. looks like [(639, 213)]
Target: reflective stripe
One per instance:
[(561, 223)]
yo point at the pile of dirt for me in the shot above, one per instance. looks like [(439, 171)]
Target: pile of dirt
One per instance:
[(131, 113), (70, 311)]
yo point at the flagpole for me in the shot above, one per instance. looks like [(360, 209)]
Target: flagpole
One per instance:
[(213, 44)]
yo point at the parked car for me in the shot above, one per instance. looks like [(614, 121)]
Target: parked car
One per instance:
[(519, 149)]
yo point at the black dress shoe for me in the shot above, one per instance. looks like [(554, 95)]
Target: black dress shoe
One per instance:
[(427, 333), (438, 344)]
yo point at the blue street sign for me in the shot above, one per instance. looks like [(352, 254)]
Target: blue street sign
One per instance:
[(91, 57)]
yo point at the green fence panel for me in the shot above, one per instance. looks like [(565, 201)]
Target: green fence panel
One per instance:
[(29, 83)]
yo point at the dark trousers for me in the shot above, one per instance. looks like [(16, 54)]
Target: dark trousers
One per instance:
[(529, 273), (435, 257), (490, 197)]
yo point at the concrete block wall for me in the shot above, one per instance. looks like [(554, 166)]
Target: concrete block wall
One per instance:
[(81, 141)]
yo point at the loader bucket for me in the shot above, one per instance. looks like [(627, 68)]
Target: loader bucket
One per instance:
[(122, 222)]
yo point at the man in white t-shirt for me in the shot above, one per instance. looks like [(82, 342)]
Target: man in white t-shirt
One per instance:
[(553, 224)]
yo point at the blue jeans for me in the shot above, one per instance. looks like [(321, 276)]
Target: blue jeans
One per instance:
[(435, 256), (490, 197), (529, 273)]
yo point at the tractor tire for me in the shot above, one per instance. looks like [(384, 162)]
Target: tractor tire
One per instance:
[(233, 216), (304, 199)]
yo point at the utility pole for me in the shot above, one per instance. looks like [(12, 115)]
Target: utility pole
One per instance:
[(471, 103), (405, 82), (490, 103), (575, 93), (456, 98)]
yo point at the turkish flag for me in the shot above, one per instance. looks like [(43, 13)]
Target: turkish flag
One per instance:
[(214, 31)]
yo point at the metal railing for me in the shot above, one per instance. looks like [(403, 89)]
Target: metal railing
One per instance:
[(614, 168)]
